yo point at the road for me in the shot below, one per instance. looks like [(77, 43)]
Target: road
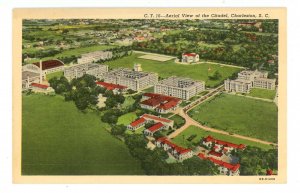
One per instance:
[(191, 122)]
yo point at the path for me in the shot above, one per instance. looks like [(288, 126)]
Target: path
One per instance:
[(191, 122)]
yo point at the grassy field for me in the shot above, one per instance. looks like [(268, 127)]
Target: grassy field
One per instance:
[(76, 52), (262, 93), (57, 139), (54, 74), (128, 102), (127, 118), (178, 120), (181, 139), (138, 131), (240, 115), (170, 68)]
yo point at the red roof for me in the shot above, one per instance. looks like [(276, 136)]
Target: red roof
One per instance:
[(217, 154), (190, 54), (180, 150), (224, 143), (42, 86), (201, 156), (160, 119), (155, 127), (160, 101), (168, 105), (110, 86), (138, 122), (49, 64), (269, 172), (225, 164)]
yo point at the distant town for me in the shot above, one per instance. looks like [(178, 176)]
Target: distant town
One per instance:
[(150, 97)]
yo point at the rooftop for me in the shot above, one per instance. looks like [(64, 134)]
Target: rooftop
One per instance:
[(37, 85), (160, 119), (49, 64), (137, 122), (110, 86), (224, 143)]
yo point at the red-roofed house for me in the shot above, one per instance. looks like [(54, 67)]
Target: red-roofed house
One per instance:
[(214, 154), (160, 103), (146, 118), (36, 87), (226, 168), (140, 122), (154, 128), (116, 88), (178, 152), (220, 145), (190, 57)]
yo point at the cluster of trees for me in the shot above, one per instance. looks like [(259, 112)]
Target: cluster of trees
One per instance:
[(216, 76), (255, 161), (153, 161), (84, 92), (230, 46)]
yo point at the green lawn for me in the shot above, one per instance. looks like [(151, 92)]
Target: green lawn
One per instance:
[(170, 68), (54, 74), (82, 50), (181, 139), (127, 118), (128, 102), (138, 131), (76, 52), (178, 120), (262, 93), (240, 115), (57, 139)]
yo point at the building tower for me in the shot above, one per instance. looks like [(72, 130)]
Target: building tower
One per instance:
[(41, 72), (137, 68)]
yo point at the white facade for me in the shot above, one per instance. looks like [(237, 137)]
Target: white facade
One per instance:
[(94, 57), (183, 88), (190, 58), (132, 79), (77, 71), (249, 79)]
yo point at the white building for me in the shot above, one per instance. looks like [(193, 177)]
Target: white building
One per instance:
[(77, 71), (249, 79), (131, 79), (190, 57), (94, 57), (183, 88)]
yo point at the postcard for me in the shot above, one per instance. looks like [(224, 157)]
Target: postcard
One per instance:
[(149, 95)]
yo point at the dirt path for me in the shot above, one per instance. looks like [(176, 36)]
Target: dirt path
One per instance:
[(191, 122)]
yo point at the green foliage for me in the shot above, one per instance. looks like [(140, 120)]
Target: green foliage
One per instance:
[(118, 129), (216, 76), (255, 161)]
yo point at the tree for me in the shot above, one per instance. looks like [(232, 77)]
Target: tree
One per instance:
[(118, 129)]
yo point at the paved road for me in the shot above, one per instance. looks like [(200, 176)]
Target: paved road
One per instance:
[(189, 121)]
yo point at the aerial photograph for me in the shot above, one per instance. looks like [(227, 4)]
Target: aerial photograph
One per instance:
[(150, 97)]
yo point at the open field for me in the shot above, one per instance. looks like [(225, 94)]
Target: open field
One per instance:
[(181, 139), (156, 57), (127, 118), (57, 139), (170, 68), (262, 93), (239, 115), (138, 131), (75, 52), (54, 74)]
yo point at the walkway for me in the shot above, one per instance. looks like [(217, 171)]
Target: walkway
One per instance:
[(191, 122)]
